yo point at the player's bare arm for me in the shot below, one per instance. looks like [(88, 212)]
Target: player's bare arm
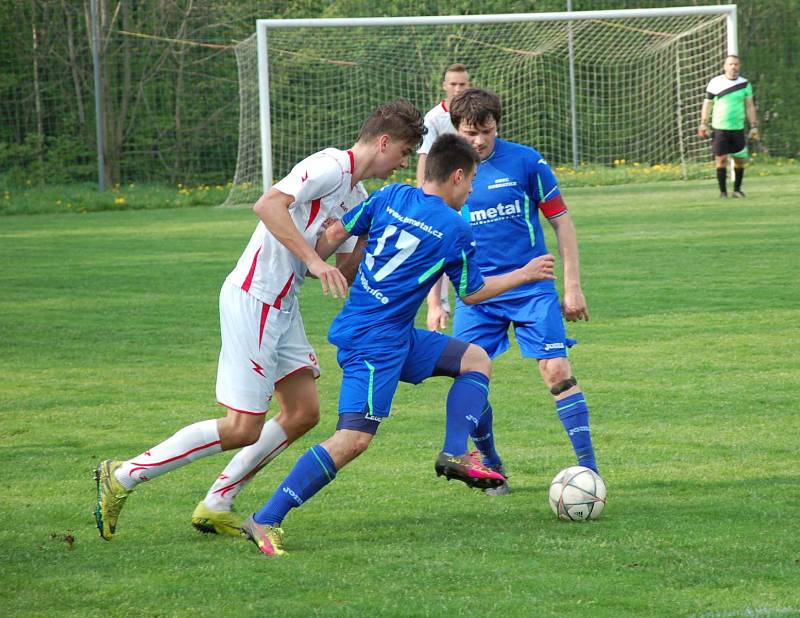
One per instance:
[(573, 302), (348, 263), (421, 169), (538, 269), (705, 114), (273, 210), (437, 314), (752, 117)]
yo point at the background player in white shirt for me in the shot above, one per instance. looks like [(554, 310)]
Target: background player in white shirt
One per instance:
[(264, 346), (437, 122)]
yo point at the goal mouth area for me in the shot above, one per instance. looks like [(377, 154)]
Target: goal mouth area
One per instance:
[(581, 87)]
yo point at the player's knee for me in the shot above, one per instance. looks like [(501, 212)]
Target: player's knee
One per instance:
[(238, 430), (476, 359), (555, 371), (241, 436), (300, 419), (359, 444), (309, 419), (346, 445)]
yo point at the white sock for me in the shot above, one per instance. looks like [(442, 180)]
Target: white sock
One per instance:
[(190, 443), (243, 467)]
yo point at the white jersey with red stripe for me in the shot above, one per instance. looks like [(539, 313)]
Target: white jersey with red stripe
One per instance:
[(438, 122), (321, 187)]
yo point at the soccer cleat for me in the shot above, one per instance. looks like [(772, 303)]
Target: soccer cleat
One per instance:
[(268, 539), (216, 522), (738, 193), (467, 470), (111, 496), (503, 489), (723, 194)]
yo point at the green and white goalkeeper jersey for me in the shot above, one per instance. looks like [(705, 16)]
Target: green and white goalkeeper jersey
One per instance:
[(728, 96)]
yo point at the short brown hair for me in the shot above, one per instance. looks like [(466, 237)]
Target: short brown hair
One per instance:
[(449, 153), (475, 106), (454, 68), (398, 119)]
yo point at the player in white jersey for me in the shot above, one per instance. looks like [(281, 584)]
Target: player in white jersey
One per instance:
[(264, 346), (437, 122)]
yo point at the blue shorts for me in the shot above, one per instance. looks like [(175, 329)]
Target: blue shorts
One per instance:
[(370, 375), (537, 321)]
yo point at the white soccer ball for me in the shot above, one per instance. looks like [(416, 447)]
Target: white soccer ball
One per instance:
[(577, 494)]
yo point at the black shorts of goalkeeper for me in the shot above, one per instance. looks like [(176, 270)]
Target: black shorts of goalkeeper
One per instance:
[(728, 142)]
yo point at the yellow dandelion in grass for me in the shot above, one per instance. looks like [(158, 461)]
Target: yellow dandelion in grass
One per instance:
[(636, 164), (119, 201)]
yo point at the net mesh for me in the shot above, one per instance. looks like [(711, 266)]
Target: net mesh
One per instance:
[(639, 86)]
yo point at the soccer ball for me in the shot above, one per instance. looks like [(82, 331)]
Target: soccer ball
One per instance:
[(577, 494)]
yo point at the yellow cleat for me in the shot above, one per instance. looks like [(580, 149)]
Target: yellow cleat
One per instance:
[(111, 496), (269, 539), (216, 522)]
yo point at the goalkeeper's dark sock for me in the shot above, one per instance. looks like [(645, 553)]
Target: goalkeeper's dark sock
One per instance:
[(738, 174), (722, 180)]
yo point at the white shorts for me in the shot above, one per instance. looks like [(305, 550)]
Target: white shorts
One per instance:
[(261, 345)]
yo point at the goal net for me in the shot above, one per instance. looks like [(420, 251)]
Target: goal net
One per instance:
[(597, 89)]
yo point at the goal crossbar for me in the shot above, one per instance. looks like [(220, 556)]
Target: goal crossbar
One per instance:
[(437, 20)]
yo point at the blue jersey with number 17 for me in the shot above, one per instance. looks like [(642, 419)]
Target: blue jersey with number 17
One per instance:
[(413, 238)]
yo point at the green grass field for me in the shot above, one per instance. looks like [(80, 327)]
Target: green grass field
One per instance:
[(108, 343)]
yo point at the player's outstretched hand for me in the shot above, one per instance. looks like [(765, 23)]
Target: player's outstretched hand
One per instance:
[(331, 278), (437, 318), (574, 306), (753, 134), (702, 131), (540, 268)]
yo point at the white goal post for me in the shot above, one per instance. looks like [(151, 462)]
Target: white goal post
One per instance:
[(580, 86)]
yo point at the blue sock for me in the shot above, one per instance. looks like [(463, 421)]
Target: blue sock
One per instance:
[(465, 403), (311, 472), (574, 415), (483, 437)]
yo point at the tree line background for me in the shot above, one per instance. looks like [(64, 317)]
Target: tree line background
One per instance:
[(171, 90)]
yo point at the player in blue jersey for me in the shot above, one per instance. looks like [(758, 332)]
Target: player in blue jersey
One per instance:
[(512, 186), (413, 236)]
